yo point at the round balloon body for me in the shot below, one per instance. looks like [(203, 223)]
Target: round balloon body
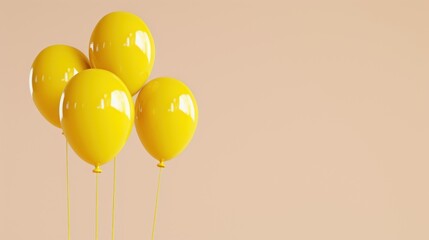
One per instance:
[(122, 43), (97, 115), (53, 67), (166, 117)]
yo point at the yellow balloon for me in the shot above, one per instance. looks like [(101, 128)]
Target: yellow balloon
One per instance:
[(53, 67), (122, 43), (166, 118), (97, 115)]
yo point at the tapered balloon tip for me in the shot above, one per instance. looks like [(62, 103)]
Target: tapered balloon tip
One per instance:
[(97, 169), (161, 164)]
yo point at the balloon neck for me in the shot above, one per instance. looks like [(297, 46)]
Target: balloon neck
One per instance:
[(97, 169), (161, 164)]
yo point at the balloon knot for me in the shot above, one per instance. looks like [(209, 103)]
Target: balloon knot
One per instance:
[(97, 169), (161, 164)]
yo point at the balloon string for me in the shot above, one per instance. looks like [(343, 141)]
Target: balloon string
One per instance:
[(68, 191), (156, 203), (114, 198), (96, 206)]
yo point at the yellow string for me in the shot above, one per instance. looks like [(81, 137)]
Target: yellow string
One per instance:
[(113, 200), (68, 191), (156, 203), (96, 206)]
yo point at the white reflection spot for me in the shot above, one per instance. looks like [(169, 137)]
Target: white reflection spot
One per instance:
[(101, 106), (143, 42), (61, 106), (119, 101), (30, 81), (186, 106)]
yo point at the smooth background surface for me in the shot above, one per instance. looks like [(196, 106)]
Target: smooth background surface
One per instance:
[(314, 123)]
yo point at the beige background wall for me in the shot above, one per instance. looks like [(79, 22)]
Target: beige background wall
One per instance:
[(314, 123)]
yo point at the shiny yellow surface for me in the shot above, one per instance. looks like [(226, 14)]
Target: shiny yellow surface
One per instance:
[(53, 67), (122, 43), (97, 115), (166, 117)]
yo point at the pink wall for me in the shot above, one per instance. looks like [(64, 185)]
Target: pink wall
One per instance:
[(314, 123)]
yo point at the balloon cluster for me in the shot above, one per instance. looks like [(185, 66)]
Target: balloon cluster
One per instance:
[(91, 101)]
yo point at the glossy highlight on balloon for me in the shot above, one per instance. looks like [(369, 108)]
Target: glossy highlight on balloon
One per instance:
[(166, 117), (50, 72), (97, 115), (122, 43)]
